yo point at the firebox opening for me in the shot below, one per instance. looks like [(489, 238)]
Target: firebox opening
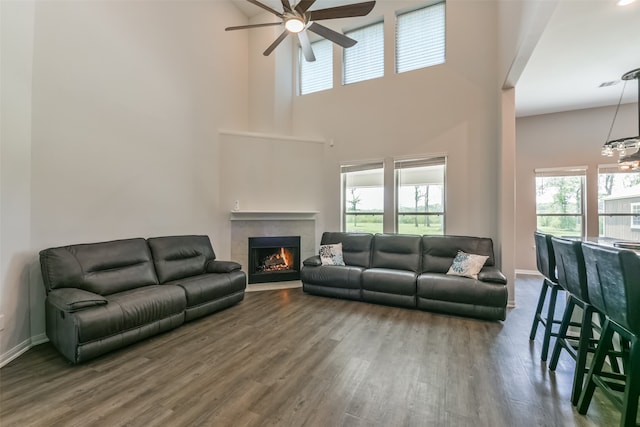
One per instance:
[(274, 259)]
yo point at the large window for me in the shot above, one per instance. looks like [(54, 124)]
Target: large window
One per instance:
[(365, 60), (363, 197), (420, 190), (560, 201), (618, 203), (420, 38), (317, 75)]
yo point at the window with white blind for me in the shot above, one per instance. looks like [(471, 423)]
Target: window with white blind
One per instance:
[(420, 38), (420, 190), (365, 60), (317, 75)]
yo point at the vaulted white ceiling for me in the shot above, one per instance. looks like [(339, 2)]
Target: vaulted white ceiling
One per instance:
[(585, 43)]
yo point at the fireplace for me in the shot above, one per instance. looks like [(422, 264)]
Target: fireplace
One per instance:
[(274, 259)]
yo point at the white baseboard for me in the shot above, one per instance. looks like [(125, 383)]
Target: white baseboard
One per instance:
[(528, 272), (22, 348), (256, 287)]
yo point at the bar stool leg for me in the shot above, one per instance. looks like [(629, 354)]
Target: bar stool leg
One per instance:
[(596, 367), (586, 333), (562, 333), (632, 386), (538, 315), (549, 323)]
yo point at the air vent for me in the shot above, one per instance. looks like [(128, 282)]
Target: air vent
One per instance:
[(611, 83)]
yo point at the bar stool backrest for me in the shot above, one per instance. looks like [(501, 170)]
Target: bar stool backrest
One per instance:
[(613, 279), (572, 273), (545, 258)]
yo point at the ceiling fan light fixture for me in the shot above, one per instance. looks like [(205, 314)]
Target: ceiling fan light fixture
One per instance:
[(625, 2), (294, 25)]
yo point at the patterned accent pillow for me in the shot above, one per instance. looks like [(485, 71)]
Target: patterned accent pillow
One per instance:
[(467, 265), (331, 254)]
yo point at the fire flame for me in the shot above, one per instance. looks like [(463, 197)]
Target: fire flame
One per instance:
[(283, 254)]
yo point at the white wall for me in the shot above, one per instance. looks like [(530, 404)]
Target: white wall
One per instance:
[(451, 108), (561, 140), (16, 45), (268, 173), (127, 99)]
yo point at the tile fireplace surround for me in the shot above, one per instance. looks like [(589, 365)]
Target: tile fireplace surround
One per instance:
[(245, 224)]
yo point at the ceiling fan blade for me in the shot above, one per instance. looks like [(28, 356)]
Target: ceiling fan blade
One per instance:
[(286, 6), (306, 46), (334, 36), (265, 7), (243, 27), (304, 5), (347, 11), (276, 43)]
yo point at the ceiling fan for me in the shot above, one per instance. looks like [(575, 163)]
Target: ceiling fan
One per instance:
[(299, 19)]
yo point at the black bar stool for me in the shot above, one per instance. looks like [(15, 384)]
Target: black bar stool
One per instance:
[(546, 262), (613, 280), (572, 276)]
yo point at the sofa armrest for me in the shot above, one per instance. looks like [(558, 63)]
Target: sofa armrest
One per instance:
[(313, 261), (491, 274), (72, 299), (216, 266)]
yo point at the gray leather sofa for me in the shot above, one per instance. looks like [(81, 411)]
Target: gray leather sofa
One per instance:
[(103, 296), (409, 271)]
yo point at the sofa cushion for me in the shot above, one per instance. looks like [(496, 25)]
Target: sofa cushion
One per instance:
[(438, 252), (334, 276), (440, 287), (176, 257), (128, 310), (396, 251), (400, 282), (208, 287), (356, 247), (102, 268)]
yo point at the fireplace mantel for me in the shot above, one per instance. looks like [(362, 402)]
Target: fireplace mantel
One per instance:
[(272, 215)]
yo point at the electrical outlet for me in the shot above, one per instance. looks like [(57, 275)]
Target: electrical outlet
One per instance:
[(1, 322)]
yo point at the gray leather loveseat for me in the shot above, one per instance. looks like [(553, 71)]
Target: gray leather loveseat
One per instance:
[(409, 271), (103, 296)]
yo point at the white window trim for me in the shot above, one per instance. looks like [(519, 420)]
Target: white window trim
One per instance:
[(633, 215), (580, 171)]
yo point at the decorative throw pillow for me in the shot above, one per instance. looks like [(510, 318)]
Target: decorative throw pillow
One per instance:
[(331, 254), (467, 265)]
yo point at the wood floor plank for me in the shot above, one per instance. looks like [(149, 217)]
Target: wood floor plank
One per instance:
[(285, 358)]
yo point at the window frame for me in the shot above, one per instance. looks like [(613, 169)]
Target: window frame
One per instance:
[(614, 169), (404, 164), (635, 215), (358, 167), (579, 171)]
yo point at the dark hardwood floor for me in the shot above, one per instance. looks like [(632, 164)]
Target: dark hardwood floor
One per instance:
[(284, 358)]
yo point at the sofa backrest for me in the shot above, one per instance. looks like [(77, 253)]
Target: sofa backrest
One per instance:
[(356, 247), (177, 257), (102, 268), (396, 251), (438, 252)]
